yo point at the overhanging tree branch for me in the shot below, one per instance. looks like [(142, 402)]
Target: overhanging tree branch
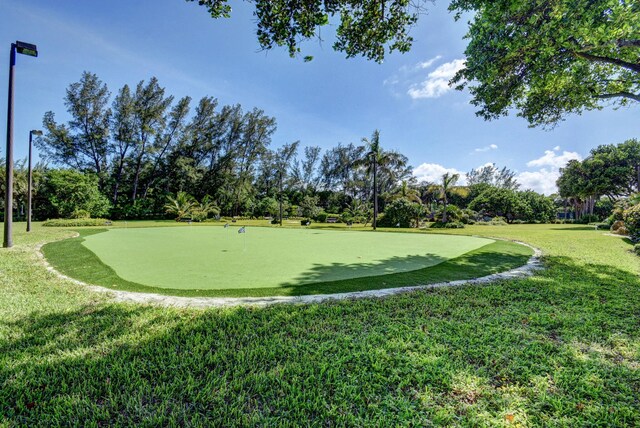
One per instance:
[(628, 43), (620, 95), (595, 58)]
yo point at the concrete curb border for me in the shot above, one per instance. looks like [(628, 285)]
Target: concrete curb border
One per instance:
[(534, 263)]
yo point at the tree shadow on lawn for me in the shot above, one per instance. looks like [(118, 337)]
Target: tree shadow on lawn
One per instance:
[(580, 228), (560, 348), (480, 262)]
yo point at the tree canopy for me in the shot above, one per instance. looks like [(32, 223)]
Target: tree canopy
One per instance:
[(550, 58), (609, 170), (490, 174), (368, 28)]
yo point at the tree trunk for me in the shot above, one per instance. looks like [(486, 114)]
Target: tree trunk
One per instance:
[(136, 176), (444, 211), (116, 186)]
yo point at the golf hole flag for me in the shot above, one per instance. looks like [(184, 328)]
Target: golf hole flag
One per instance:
[(242, 230)]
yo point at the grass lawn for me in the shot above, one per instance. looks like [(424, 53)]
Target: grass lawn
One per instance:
[(561, 348), (217, 261)]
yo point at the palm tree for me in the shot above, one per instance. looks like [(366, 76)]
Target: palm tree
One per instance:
[(180, 206), (358, 208), (407, 192), (448, 181), (203, 209), (377, 160)]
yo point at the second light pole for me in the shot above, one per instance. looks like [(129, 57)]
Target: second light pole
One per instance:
[(30, 177)]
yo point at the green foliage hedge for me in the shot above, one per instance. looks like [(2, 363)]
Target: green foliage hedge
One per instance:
[(447, 225), (76, 222), (495, 221)]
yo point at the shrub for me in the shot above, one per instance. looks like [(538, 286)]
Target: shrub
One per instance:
[(617, 225), (468, 216), (496, 221), (453, 213), (618, 210), (321, 217), (346, 217), (622, 230), (631, 217), (77, 222), (588, 218), (400, 213), (64, 192), (199, 215), (447, 225), (79, 213), (636, 249)]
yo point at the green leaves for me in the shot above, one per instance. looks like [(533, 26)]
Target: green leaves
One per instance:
[(369, 28), (547, 59)]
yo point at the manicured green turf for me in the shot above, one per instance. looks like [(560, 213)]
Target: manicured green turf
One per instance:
[(219, 258), (559, 349), (214, 261)]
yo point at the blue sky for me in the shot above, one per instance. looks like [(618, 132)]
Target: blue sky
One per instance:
[(323, 102)]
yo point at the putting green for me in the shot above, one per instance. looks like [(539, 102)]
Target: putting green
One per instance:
[(217, 258)]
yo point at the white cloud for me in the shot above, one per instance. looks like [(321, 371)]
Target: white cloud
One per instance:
[(552, 158), (428, 63), (437, 82), (542, 181), (433, 172), (486, 148)]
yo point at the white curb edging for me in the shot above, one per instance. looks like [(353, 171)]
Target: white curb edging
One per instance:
[(534, 263)]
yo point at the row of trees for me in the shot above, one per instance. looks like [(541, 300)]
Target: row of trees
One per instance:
[(142, 146), (129, 154)]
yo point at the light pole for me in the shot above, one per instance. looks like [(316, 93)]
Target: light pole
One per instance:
[(30, 178), (30, 50)]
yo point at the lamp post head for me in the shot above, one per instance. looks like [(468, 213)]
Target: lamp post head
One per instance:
[(26, 48), (36, 132)]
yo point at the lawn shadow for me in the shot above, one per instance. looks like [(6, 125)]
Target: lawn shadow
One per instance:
[(348, 271), (555, 349), (579, 228), (477, 263)]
